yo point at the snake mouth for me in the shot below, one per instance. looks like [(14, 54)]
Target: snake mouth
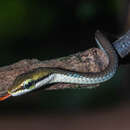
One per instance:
[(5, 97)]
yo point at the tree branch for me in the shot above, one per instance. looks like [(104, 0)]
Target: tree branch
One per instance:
[(92, 60)]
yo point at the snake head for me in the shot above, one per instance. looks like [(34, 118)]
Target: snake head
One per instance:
[(21, 85), (27, 82)]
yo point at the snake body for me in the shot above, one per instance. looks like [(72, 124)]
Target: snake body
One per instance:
[(45, 75)]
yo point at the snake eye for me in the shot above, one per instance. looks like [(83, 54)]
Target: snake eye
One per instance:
[(29, 83)]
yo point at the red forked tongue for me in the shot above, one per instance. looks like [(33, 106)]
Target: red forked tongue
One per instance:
[(5, 97)]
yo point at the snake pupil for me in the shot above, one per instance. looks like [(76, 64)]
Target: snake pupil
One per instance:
[(28, 85)]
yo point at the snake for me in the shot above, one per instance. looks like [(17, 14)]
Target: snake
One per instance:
[(43, 76)]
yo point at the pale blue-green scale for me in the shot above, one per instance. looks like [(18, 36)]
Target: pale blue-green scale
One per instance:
[(78, 78), (76, 75)]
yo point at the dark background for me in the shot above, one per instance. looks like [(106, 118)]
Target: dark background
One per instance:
[(46, 29)]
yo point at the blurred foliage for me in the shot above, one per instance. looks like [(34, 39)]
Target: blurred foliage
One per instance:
[(35, 26), (18, 18), (49, 29)]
